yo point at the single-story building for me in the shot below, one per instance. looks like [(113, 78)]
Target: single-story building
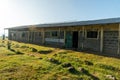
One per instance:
[(95, 35)]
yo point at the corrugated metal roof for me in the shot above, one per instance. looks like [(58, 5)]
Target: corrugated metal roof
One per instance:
[(77, 23)]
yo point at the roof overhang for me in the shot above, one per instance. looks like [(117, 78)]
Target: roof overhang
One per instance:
[(66, 24)]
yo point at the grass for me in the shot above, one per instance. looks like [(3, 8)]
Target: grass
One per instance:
[(32, 62)]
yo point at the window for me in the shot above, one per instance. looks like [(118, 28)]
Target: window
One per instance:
[(47, 34), (54, 33), (92, 34)]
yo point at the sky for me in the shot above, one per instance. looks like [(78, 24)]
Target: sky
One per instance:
[(26, 12)]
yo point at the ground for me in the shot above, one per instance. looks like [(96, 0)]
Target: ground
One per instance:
[(22, 61)]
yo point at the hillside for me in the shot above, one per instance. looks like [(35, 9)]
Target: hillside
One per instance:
[(32, 62)]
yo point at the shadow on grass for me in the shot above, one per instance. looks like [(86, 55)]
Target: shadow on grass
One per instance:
[(92, 76), (107, 67), (84, 72), (17, 52), (45, 51)]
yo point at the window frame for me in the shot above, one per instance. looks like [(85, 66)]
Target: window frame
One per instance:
[(86, 32), (56, 35), (46, 36)]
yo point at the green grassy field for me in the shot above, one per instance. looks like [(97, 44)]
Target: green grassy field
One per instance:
[(31, 62)]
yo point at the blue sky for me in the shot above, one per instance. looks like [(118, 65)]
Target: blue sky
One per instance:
[(25, 12)]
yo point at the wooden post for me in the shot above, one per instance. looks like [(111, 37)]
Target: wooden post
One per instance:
[(28, 35), (35, 36), (78, 39), (118, 39), (59, 36), (83, 30), (43, 36), (101, 39), (64, 37)]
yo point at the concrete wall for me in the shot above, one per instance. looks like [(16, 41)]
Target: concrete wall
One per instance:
[(37, 38), (110, 42), (57, 41), (110, 37), (89, 44)]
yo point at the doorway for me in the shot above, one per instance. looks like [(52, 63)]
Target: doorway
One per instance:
[(75, 39), (68, 39)]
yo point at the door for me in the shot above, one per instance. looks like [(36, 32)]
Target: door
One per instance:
[(68, 39), (75, 39)]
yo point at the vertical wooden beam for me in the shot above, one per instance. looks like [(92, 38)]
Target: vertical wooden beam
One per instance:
[(79, 39), (28, 36), (83, 31), (43, 36), (64, 37), (118, 39), (59, 36), (34, 36), (101, 39)]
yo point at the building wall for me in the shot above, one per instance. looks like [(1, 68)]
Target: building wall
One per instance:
[(54, 39), (110, 39), (110, 42), (91, 44), (38, 36)]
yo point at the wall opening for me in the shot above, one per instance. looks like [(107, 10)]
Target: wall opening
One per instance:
[(75, 39)]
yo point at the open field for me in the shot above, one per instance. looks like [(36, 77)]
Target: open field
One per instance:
[(32, 62)]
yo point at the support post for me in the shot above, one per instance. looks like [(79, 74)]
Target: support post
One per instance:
[(43, 36), (118, 39), (101, 39), (28, 36), (64, 37), (59, 36), (79, 38), (83, 30), (4, 35)]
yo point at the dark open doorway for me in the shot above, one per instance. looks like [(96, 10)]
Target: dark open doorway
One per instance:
[(75, 39)]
